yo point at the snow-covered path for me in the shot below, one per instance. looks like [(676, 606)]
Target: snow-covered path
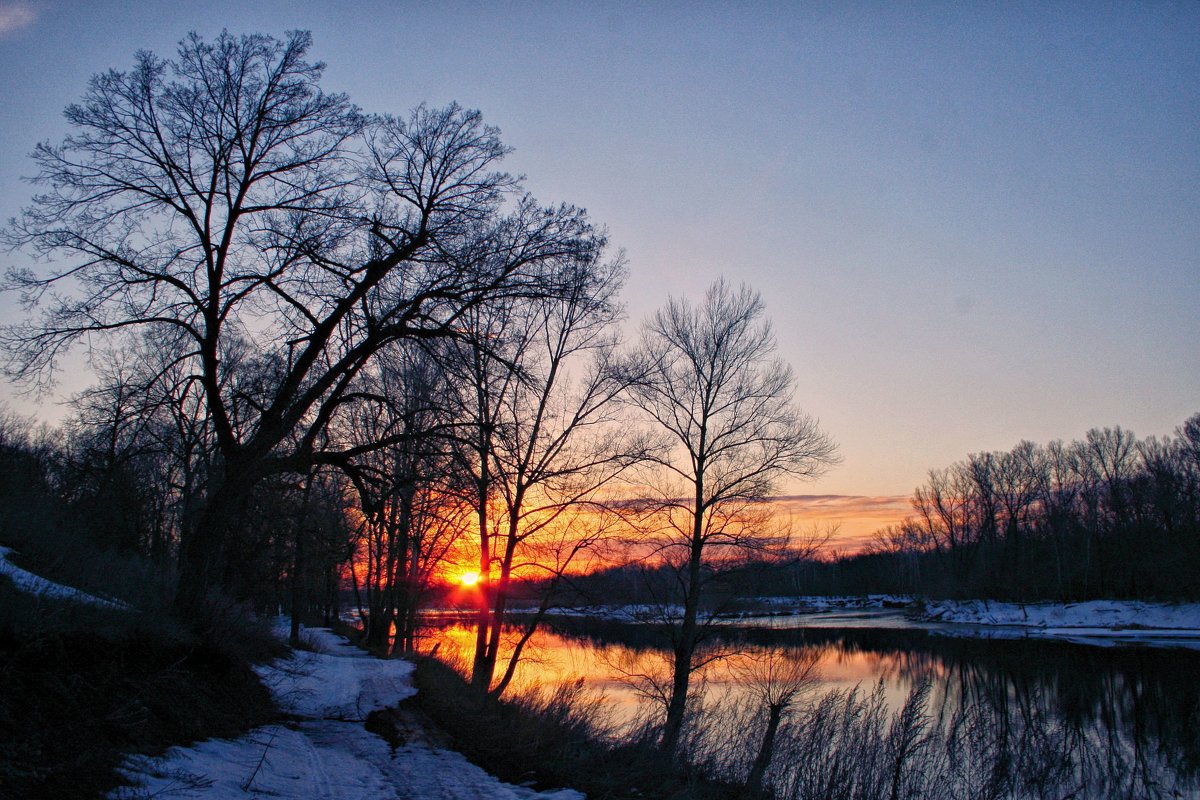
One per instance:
[(326, 753)]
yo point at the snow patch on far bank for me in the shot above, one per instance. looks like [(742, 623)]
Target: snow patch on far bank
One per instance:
[(1097, 618), (1097, 622)]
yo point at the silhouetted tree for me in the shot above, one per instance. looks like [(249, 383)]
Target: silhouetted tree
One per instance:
[(537, 391), (404, 490), (777, 679), (706, 378), (222, 200)]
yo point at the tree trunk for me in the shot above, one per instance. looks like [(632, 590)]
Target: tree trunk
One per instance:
[(203, 551), (379, 627), (481, 677), (297, 570), (414, 596), (530, 628), (684, 648), (754, 785)]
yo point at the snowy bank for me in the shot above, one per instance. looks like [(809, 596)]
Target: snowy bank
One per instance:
[(745, 608), (1098, 622), (326, 752), (1109, 619), (820, 604), (26, 581)]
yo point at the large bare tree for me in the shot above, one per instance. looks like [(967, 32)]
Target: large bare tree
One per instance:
[(707, 378), (223, 200)]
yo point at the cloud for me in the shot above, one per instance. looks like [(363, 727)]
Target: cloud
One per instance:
[(14, 16), (857, 517)]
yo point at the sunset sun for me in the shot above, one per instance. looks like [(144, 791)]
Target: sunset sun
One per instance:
[(469, 578)]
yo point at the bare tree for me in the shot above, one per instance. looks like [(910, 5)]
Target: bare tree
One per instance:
[(115, 473), (399, 485), (706, 376), (538, 390), (779, 679), (1016, 480), (319, 546), (943, 506), (143, 416), (1056, 502), (223, 200), (1114, 454)]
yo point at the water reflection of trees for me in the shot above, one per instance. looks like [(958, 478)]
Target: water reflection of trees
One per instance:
[(1001, 718), (991, 732), (1118, 719)]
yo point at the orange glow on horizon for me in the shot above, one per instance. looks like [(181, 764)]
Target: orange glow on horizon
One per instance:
[(856, 519)]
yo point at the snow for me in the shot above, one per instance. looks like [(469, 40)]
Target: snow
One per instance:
[(326, 752), (760, 607), (810, 603), (1097, 622), (341, 682), (1112, 620), (325, 759), (26, 581)]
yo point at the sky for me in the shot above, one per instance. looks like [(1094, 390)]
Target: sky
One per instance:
[(972, 223)]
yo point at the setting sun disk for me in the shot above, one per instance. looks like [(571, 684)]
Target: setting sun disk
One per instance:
[(469, 578)]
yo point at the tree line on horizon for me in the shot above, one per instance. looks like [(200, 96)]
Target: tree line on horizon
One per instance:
[(1108, 516)]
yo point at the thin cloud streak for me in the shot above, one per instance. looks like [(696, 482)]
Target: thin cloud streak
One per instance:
[(14, 16), (858, 517)]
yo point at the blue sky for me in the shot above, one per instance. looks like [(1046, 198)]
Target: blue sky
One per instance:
[(972, 223)]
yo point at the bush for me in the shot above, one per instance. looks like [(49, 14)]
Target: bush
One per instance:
[(552, 740), (84, 686)]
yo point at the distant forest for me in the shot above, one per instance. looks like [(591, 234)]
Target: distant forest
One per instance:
[(1109, 516)]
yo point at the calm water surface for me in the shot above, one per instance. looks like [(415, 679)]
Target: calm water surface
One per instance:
[(1132, 713)]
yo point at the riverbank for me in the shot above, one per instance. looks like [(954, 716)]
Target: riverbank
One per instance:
[(1097, 622), (1101, 622)]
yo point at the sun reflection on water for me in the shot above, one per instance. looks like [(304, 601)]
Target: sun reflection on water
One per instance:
[(617, 673)]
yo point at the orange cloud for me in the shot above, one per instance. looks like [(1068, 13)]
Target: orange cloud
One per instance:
[(857, 516)]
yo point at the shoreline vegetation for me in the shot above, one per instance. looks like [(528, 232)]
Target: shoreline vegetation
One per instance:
[(555, 739)]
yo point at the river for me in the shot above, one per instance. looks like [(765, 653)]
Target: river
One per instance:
[(1007, 717)]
